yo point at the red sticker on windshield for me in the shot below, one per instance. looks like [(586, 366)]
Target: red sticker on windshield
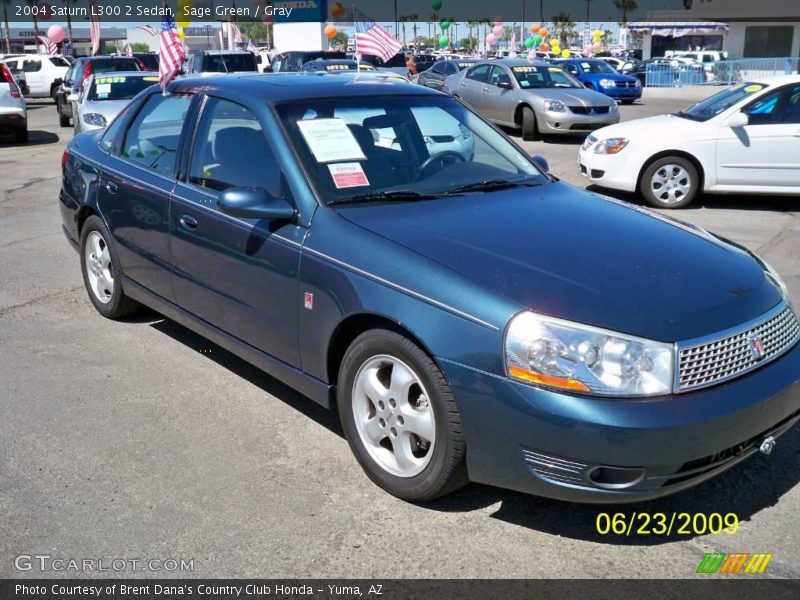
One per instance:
[(347, 175)]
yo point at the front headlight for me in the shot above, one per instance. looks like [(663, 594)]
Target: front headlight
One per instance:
[(94, 119), (637, 84), (608, 83), (570, 356), (611, 146), (554, 106)]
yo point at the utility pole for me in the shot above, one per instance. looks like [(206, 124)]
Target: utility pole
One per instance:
[(522, 25)]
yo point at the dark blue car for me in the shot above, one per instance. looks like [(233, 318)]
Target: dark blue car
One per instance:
[(472, 317), (602, 77)]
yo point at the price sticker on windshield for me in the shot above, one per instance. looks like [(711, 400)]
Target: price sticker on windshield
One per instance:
[(337, 68), (103, 89), (753, 88), (524, 69), (330, 140), (348, 175)]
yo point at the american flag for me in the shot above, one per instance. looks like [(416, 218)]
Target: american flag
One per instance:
[(236, 33), (171, 51), (47, 44), (94, 27), (373, 39), (147, 29)]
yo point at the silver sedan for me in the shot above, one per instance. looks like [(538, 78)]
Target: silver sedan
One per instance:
[(103, 97), (532, 96)]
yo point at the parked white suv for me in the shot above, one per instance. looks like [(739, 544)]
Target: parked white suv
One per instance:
[(13, 116), (42, 72)]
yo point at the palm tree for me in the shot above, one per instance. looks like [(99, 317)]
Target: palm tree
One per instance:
[(434, 20), (625, 6), (7, 30), (33, 4), (66, 4), (414, 17), (564, 28)]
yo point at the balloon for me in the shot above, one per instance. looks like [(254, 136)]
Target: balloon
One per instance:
[(598, 35), (330, 32), (555, 45), (444, 41), (437, 5), (337, 10), (565, 53), (445, 24), (537, 39), (182, 23), (529, 43), (544, 47), (597, 46), (181, 35), (56, 33), (497, 30), (543, 32), (491, 39), (535, 28)]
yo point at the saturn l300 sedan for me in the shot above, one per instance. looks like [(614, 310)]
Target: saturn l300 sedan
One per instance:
[(472, 317), (533, 97)]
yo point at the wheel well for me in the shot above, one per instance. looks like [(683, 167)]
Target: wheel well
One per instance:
[(83, 213), (518, 112), (352, 327), (679, 153)]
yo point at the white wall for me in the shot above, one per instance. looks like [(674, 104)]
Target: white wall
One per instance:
[(728, 10), (299, 36), (734, 42)]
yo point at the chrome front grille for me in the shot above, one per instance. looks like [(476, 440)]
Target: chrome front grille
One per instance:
[(711, 362)]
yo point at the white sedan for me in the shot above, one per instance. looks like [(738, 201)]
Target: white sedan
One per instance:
[(744, 139)]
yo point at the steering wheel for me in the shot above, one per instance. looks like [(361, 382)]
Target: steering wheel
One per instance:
[(441, 160)]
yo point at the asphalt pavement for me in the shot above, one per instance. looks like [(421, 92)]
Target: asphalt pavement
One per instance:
[(142, 440)]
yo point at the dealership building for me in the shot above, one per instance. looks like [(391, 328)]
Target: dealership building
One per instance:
[(24, 38), (742, 28)]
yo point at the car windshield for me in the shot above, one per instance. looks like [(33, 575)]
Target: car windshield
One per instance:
[(596, 66), (711, 107), (119, 88), (400, 148), (530, 77)]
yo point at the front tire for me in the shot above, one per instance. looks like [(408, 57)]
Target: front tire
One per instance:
[(400, 417), (530, 130), (670, 182), (102, 273)]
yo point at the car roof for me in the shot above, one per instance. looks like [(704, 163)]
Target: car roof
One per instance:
[(516, 62), (278, 87), (218, 52)]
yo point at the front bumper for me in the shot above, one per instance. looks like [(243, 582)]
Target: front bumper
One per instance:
[(623, 93), (572, 123), (551, 444), (615, 171)]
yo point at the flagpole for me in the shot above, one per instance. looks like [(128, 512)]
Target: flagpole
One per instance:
[(358, 58)]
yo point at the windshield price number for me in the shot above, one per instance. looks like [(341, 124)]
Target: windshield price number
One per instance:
[(666, 523)]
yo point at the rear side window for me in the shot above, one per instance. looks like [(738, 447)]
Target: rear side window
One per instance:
[(31, 66), (152, 139), (479, 73), (58, 61), (231, 150)]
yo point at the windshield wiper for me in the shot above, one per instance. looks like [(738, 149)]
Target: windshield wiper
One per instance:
[(401, 195), (490, 185)]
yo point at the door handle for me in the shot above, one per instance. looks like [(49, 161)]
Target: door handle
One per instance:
[(111, 187), (188, 222)]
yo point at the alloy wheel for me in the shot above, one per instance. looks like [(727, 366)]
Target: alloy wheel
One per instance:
[(99, 268)]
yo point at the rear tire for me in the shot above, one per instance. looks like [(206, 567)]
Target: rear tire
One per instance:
[(670, 182), (400, 417), (64, 121), (102, 272), (530, 130)]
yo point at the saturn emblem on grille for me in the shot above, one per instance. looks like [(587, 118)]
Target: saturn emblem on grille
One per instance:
[(756, 345)]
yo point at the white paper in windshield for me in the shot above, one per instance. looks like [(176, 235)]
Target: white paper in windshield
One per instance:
[(330, 140)]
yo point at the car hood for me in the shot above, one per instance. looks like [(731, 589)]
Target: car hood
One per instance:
[(566, 253), (570, 96), (658, 127)]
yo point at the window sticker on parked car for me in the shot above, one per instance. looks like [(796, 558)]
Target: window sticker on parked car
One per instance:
[(753, 88), (347, 175), (103, 89), (524, 69), (330, 140)]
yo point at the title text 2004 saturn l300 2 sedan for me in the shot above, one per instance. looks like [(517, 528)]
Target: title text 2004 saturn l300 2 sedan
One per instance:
[(473, 317)]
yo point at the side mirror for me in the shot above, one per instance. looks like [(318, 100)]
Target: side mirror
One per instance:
[(506, 85), (737, 119), (541, 162), (255, 203)]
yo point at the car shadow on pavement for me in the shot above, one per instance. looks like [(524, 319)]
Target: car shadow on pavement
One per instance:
[(757, 483), (327, 418), (35, 138), (714, 201)]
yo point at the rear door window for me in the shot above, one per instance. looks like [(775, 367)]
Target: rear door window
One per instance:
[(479, 73), (31, 66), (152, 139)]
